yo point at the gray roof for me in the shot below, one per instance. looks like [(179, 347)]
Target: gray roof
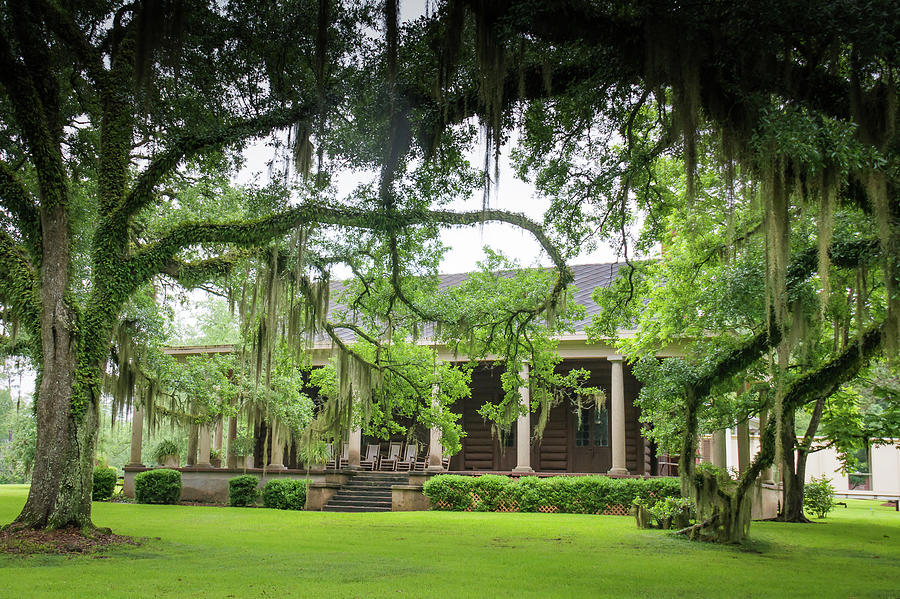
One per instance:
[(587, 277)]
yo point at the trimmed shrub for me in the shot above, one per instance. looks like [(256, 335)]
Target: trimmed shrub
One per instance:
[(565, 494), (284, 494), (491, 491), (818, 496), (158, 486), (243, 490), (451, 492), (104, 483)]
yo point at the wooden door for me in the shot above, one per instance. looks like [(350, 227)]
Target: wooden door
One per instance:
[(505, 456), (590, 448)]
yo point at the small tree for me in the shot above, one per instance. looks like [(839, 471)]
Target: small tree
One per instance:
[(818, 496)]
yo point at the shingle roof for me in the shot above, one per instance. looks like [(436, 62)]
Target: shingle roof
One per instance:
[(587, 277)]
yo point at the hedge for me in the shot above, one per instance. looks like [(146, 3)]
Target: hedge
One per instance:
[(243, 490), (158, 486), (104, 483), (564, 494), (284, 494)]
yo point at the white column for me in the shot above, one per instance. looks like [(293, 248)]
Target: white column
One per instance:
[(617, 411), (218, 440), (523, 427), (232, 460), (276, 460), (137, 434), (192, 445), (730, 453), (355, 441), (719, 449), (203, 444), (435, 449), (743, 446)]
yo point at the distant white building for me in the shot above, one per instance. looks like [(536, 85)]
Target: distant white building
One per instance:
[(878, 476)]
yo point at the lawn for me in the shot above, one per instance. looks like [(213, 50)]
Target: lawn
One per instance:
[(232, 552)]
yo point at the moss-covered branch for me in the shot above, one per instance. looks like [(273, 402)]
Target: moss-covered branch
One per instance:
[(646, 43), (62, 24), (16, 199), (18, 283), (190, 144), (28, 107), (193, 274), (826, 380), (155, 257)]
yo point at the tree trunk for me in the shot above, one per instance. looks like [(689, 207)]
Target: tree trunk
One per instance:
[(62, 478), (792, 473), (67, 421)]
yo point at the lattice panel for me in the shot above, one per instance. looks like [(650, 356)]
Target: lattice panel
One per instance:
[(512, 506), (616, 510)]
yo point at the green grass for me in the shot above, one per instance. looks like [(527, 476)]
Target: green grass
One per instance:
[(233, 552)]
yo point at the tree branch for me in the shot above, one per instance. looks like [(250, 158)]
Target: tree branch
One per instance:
[(15, 198), (153, 258), (193, 274), (190, 144), (18, 283), (31, 116), (824, 381), (61, 23)]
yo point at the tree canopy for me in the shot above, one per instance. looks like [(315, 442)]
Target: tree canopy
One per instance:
[(123, 121)]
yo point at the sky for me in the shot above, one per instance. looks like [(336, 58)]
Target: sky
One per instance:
[(465, 243)]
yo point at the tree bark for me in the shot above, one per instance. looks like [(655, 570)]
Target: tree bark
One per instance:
[(793, 471), (67, 421)]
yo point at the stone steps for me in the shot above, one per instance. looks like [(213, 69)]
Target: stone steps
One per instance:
[(366, 492)]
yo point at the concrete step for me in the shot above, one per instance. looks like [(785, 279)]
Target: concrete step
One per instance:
[(357, 503), (363, 485), (348, 508), (354, 497), (366, 490)]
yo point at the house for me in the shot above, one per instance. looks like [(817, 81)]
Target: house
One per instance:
[(604, 439)]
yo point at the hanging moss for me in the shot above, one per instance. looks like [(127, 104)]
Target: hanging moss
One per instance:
[(828, 190)]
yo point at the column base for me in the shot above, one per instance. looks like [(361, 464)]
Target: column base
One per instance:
[(618, 472), (276, 467), (203, 465), (523, 469), (435, 469), (134, 465)]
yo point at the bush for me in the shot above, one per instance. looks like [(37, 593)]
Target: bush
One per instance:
[(567, 494), (284, 494), (104, 483), (818, 496), (451, 492), (243, 490), (158, 486)]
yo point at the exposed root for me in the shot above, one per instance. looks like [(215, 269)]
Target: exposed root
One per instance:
[(694, 530)]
